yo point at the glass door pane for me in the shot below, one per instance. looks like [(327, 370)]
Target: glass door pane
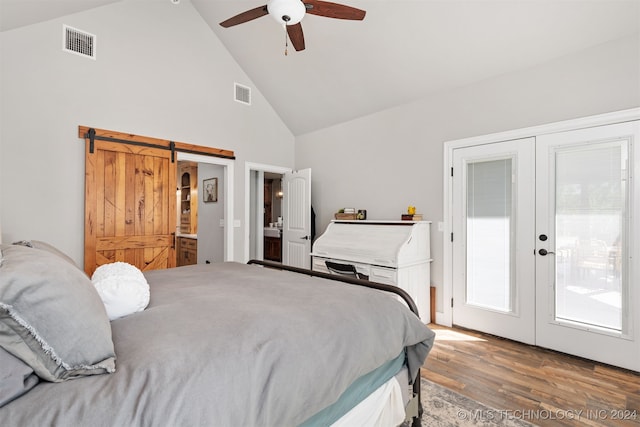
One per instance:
[(490, 231), (590, 212)]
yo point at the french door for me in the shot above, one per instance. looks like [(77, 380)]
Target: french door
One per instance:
[(588, 292), (545, 237), (493, 272)]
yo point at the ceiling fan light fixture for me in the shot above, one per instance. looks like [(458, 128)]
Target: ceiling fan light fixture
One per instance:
[(287, 12)]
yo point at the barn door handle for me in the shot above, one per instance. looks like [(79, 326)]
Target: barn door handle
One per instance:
[(173, 240)]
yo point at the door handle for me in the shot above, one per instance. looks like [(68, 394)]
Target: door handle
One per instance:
[(305, 238), (545, 252)]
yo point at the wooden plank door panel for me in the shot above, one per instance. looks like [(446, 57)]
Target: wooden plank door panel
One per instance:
[(130, 212)]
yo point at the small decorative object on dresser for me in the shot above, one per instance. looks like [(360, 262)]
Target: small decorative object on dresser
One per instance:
[(411, 214), (414, 217), (346, 214)]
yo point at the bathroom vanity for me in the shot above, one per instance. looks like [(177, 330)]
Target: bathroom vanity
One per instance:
[(273, 244)]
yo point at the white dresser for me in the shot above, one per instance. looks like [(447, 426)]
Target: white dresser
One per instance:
[(391, 252)]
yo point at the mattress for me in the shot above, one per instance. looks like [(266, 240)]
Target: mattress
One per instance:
[(357, 392)]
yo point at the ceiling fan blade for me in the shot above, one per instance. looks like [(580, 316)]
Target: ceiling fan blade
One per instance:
[(243, 17), (296, 36), (334, 10)]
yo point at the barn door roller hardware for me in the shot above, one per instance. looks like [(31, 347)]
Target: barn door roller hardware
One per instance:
[(91, 134)]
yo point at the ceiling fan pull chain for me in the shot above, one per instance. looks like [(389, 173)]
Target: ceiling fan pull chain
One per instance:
[(286, 40)]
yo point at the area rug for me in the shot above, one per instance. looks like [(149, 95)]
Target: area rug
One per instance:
[(446, 408)]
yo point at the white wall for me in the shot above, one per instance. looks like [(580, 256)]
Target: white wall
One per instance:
[(210, 233), (394, 158), (160, 72)]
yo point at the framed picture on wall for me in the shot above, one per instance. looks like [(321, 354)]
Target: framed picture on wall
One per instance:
[(210, 190)]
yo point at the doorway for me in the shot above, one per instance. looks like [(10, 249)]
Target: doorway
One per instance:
[(296, 213), (541, 245), (214, 221), (200, 202), (272, 219)]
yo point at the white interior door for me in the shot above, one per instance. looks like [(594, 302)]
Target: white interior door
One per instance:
[(588, 303), (493, 263), (296, 230)]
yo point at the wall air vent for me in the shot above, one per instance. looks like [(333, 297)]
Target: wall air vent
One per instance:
[(242, 94), (78, 42)]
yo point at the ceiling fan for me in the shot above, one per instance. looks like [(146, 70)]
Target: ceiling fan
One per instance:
[(290, 13)]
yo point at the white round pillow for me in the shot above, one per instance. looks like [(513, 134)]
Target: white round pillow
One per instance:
[(122, 287), (117, 268)]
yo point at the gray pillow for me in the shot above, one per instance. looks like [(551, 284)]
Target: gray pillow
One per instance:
[(37, 244), (16, 377), (51, 316)]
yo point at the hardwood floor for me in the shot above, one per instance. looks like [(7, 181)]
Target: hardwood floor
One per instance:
[(543, 387)]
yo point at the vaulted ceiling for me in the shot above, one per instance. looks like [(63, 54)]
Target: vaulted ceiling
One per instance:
[(403, 50)]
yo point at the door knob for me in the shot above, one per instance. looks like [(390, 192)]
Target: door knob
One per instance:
[(545, 252)]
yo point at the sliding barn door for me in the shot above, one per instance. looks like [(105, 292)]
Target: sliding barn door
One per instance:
[(130, 206)]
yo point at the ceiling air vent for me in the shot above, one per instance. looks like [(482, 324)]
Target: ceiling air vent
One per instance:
[(79, 42), (242, 94)]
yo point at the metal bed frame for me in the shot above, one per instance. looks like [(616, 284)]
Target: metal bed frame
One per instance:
[(415, 400)]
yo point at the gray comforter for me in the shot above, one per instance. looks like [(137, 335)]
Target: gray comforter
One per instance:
[(232, 345)]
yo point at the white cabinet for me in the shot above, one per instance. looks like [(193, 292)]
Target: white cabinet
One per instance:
[(390, 252)]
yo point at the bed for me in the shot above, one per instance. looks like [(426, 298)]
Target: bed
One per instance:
[(223, 344)]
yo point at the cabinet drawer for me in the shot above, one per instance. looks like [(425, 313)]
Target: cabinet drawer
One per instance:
[(387, 276), (319, 265), (186, 243), (189, 257), (187, 250)]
